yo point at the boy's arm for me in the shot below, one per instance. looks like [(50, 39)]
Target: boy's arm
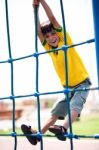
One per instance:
[(40, 35), (50, 14)]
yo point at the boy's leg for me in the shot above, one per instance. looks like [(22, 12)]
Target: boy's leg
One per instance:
[(58, 112), (74, 116), (49, 123), (76, 106), (28, 131), (61, 131)]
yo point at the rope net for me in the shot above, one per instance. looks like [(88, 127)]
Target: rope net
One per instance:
[(37, 94)]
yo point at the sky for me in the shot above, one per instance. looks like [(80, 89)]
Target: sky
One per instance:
[(79, 23)]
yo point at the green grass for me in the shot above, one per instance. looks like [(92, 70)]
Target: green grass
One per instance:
[(87, 125)]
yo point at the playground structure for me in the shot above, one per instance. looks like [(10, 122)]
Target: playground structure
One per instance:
[(36, 55)]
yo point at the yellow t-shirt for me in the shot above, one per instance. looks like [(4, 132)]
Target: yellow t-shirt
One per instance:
[(76, 69)]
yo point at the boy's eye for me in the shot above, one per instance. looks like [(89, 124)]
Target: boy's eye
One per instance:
[(46, 36)]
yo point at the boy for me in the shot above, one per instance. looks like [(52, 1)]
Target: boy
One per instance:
[(51, 36)]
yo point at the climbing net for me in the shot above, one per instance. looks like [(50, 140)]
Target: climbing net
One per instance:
[(37, 94)]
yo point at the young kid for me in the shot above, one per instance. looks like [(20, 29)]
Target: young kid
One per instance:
[(51, 36)]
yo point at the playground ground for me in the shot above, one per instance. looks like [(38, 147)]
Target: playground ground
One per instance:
[(7, 143)]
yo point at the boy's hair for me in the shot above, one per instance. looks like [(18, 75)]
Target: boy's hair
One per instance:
[(46, 27)]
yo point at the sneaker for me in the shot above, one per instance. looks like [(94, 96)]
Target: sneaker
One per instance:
[(59, 132), (27, 131)]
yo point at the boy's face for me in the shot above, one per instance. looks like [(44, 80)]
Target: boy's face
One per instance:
[(52, 38)]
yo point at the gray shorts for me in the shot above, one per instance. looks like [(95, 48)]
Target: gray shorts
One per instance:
[(77, 100)]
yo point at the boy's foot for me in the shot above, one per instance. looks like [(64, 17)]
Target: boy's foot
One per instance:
[(28, 133), (59, 132)]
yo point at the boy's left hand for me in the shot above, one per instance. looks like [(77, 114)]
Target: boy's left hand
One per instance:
[(36, 2)]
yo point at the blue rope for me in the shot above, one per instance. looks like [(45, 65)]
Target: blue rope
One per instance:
[(37, 72), (40, 135), (64, 47), (66, 72), (12, 75), (49, 93)]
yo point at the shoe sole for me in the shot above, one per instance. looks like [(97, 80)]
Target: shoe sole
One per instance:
[(27, 132), (58, 134)]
